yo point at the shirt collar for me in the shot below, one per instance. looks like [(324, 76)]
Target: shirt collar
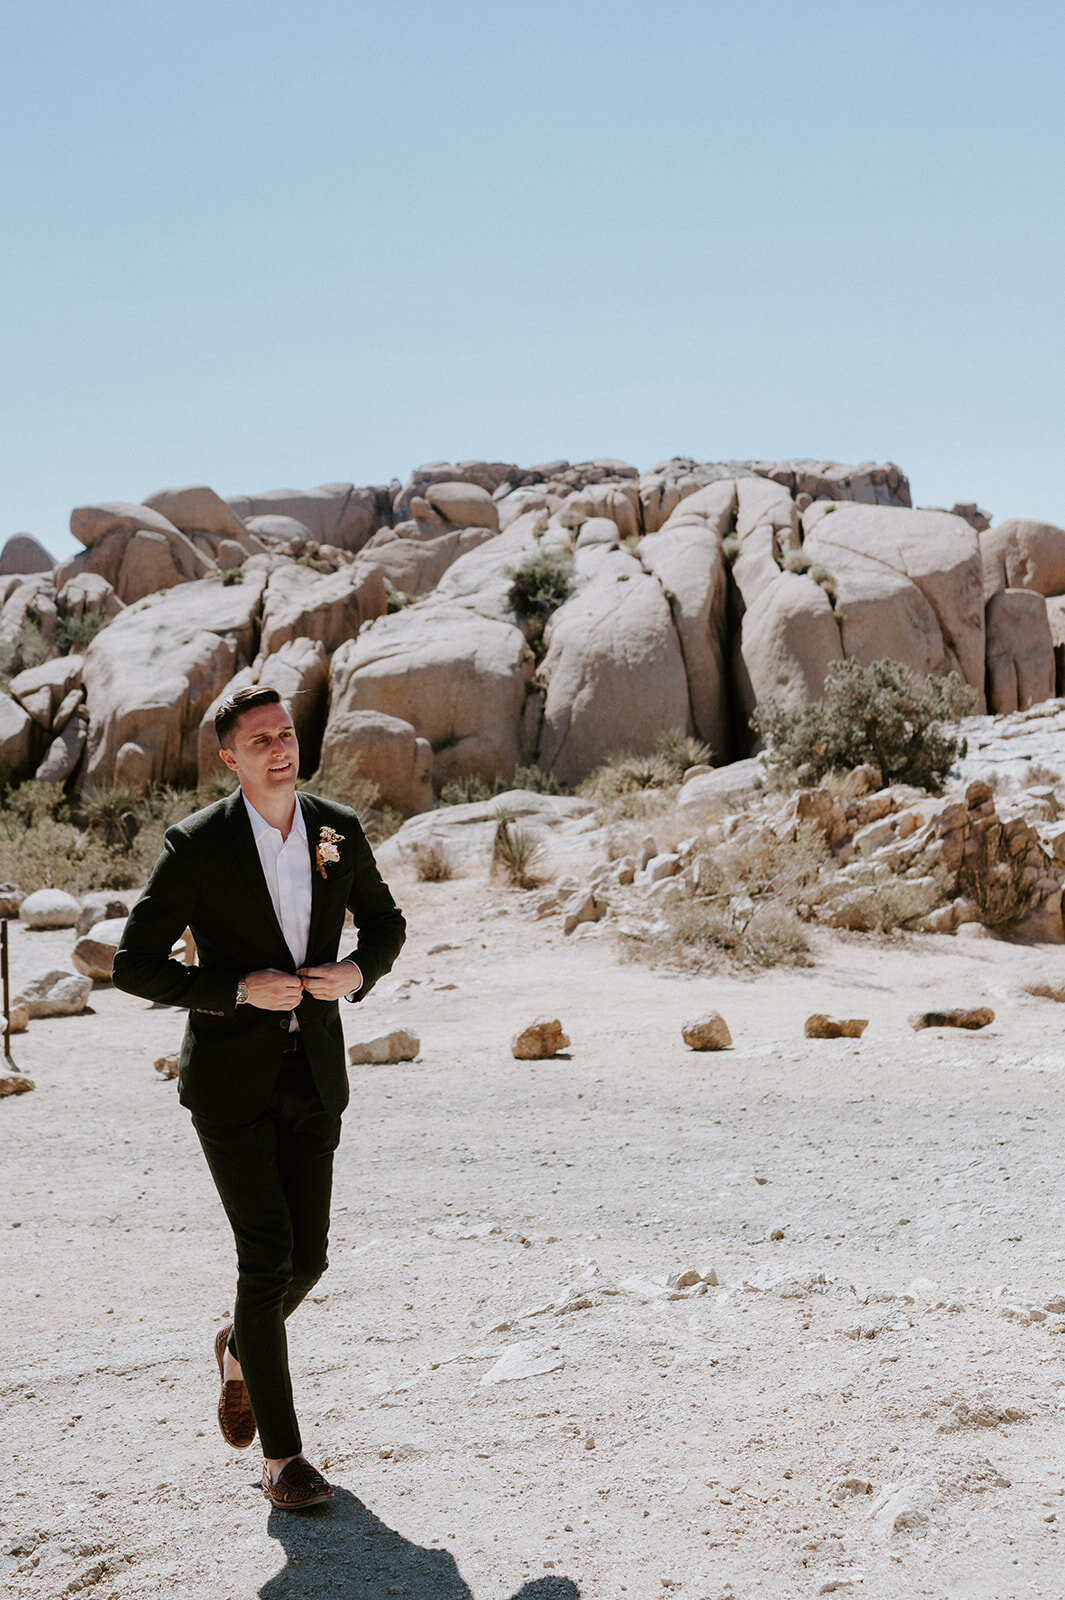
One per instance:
[(260, 826)]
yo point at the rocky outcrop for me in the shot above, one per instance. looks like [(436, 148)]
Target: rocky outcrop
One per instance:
[(414, 561), (151, 674), (1020, 650), (22, 553), (386, 749), (336, 513), (457, 678), (908, 584), (197, 509), (137, 549), (614, 671), (1023, 555), (328, 606)]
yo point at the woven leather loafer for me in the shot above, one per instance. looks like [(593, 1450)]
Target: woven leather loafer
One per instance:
[(235, 1416), (298, 1485)]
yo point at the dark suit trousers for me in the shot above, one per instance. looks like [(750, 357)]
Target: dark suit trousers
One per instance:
[(274, 1176)]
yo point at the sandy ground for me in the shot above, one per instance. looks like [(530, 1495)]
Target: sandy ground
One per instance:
[(859, 1407)]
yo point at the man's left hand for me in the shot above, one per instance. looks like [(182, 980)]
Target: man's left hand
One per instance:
[(332, 980)]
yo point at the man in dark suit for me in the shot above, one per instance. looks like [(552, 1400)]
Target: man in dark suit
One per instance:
[(263, 880)]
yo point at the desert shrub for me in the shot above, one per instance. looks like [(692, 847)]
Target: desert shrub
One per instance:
[(397, 600), (431, 862), (884, 714), (623, 774), (538, 586), (515, 853), (824, 580), (113, 812), (883, 903), (26, 647), (796, 561), (464, 791), (993, 879), (744, 902), (231, 576), (27, 803), (75, 634)]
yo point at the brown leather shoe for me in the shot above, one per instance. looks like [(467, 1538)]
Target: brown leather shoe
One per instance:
[(298, 1485), (235, 1416)]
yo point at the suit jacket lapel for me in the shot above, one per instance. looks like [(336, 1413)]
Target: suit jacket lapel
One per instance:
[(246, 856), (318, 883)]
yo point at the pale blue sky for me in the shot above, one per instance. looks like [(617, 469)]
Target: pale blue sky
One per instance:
[(263, 244)]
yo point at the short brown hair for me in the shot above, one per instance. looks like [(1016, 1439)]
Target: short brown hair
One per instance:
[(234, 706)]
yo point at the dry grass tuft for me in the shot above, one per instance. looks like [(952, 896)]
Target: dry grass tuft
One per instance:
[(515, 852), (431, 862), (744, 900)]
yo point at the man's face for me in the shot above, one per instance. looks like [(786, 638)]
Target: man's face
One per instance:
[(265, 754)]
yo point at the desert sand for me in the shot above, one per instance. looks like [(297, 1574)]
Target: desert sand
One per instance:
[(869, 1404)]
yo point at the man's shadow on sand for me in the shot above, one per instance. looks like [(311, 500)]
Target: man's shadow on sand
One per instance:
[(343, 1550)]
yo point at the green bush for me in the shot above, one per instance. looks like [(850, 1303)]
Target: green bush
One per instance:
[(75, 634), (538, 586), (884, 715), (623, 774), (26, 648)]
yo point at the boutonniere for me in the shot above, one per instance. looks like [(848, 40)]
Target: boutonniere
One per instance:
[(327, 852)]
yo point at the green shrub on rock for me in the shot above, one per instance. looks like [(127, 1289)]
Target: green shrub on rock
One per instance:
[(884, 715)]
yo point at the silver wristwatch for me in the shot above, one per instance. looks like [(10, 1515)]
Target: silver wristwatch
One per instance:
[(242, 992)]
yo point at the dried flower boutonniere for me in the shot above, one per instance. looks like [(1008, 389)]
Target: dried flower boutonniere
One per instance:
[(327, 852)]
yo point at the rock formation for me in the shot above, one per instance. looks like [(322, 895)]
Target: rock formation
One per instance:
[(696, 589)]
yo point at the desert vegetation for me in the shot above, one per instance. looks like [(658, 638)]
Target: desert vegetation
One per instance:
[(883, 715)]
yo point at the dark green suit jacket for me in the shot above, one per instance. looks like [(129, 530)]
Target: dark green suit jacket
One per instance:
[(209, 879)]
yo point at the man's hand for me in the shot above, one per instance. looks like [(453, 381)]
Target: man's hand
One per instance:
[(332, 980), (272, 990)]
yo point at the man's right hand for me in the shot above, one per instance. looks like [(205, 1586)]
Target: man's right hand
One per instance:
[(271, 990)]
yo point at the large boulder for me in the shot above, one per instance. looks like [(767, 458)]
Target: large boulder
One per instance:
[(613, 668), (197, 509), (336, 513), (277, 527), (135, 561), (788, 639), (18, 741), (464, 505), (458, 678), (87, 593), (150, 675), (42, 690), (685, 555), (94, 952), (384, 749), (1018, 554), (877, 556), (415, 565), (22, 553), (620, 502), (488, 475), (301, 603), (299, 672), (1020, 651), (65, 751), (89, 524)]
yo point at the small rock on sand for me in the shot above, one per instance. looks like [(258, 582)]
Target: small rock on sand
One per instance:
[(524, 1360), (94, 953), (819, 1026), (11, 897), (167, 1066), (709, 1032), (14, 1083), (960, 1017), (541, 1039), (49, 908), (401, 1045), (55, 994)]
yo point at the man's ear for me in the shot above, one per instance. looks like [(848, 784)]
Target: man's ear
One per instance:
[(228, 758)]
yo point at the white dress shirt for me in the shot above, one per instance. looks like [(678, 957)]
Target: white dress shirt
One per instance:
[(286, 867)]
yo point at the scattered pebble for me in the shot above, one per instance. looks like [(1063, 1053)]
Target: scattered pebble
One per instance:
[(400, 1045), (818, 1026), (538, 1041), (709, 1032), (973, 1017)]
